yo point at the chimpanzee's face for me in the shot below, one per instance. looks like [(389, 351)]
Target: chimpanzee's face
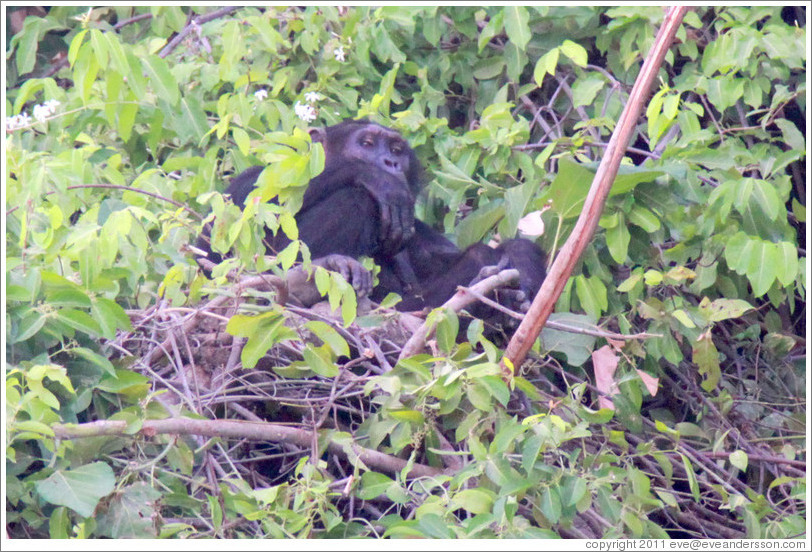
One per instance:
[(381, 147)]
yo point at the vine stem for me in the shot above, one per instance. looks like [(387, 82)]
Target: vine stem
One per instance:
[(568, 256)]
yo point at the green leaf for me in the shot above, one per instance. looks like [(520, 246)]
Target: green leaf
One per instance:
[(617, 240), (329, 336), (96, 359), (706, 358), (792, 136), (786, 262), (448, 326), (110, 316), (693, 484), (585, 89), (434, 526), (591, 293), (408, 415), (59, 524), (491, 29), (241, 139), (79, 320), (550, 504), (80, 489), (545, 66), (496, 387), (739, 459), (575, 52), (577, 347), (118, 59), (476, 501), (476, 225), (516, 26), (373, 485), (163, 83), (319, 362), (130, 513), (263, 332), (31, 322), (723, 309)]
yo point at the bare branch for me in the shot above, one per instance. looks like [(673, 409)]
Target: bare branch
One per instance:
[(240, 429)]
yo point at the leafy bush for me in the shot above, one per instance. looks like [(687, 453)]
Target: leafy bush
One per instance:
[(123, 124)]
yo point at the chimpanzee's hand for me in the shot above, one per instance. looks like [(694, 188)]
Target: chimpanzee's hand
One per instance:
[(513, 298), (396, 205), (351, 270)]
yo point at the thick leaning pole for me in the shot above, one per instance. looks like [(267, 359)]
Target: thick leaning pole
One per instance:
[(553, 285)]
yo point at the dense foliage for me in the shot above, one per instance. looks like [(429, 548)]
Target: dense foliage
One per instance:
[(700, 249)]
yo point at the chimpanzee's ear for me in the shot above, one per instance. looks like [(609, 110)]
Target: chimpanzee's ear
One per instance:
[(318, 135)]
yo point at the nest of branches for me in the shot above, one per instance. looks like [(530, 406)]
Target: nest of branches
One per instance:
[(272, 415)]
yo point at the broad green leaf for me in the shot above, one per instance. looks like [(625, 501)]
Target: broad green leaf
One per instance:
[(575, 52), (585, 89), (476, 225), (110, 317), (95, 358), (493, 27), (516, 26), (79, 489), (786, 256), (739, 459), (546, 66), (320, 363), (476, 501), (31, 322), (550, 504), (792, 136), (163, 83), (706, 358), (118, 59), (434, 526), (577, 347), (59, 524), (373, 485), (130, 513), (723, 309), (591, 294), (329, 336), (617, 240), (79, 320), (263, 332), (496, 387), (448, 326)]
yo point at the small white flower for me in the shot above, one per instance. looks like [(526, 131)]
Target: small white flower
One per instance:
[(312, 97), (17, 121), (261, 94), (41, 113), (339, 53), (51, 105), (305, 112)]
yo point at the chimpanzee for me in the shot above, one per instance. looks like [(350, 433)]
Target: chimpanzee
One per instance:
[(362, 204)]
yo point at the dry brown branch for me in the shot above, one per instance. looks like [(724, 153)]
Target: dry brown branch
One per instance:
[(239, 429), (196, 22), (568, 256)]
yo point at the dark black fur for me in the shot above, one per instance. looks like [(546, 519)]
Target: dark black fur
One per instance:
[(362, 204)]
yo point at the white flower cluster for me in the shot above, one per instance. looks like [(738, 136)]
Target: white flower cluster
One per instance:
[(41, 114), (305, 112), (261, 94), (339, 54)]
